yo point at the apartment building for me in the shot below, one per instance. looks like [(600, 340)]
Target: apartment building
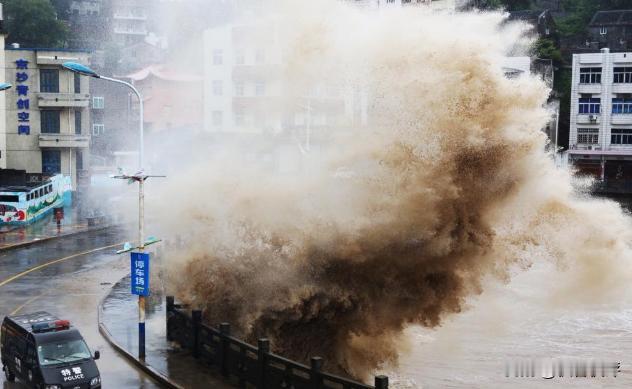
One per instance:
[(601, 115), (244, 86), (130, 20), (46, 113)]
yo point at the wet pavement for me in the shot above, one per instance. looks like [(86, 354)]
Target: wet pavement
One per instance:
[(120, 315), (44, 228), (70, 287)]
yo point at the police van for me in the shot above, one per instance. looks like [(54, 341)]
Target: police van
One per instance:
[(45, 352)]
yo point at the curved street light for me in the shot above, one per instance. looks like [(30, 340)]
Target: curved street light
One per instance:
[(4, 86), (88, 72), (140, 176)]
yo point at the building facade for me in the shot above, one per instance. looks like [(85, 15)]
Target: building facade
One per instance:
[(601, 116), (612, 30), (130, 21), (46, 114)]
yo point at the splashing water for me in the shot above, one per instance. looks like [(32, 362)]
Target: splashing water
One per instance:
[(450, 184)]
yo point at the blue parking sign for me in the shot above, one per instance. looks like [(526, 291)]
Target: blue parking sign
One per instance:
[(140, 274)]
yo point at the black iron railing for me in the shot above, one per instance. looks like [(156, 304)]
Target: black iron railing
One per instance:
[(249, 365)]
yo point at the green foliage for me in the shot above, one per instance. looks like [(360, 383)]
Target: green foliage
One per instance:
[(545, 48), (582, 11), (33, 23)]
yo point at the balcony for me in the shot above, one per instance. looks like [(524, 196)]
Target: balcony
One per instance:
[(588, 119), (64, 140), (621, 88), (621, 119), (74, 100), (589, 88), (129, 16), (130, 31)]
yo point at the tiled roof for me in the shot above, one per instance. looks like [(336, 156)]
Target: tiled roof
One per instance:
[(164, 73), (604, 18)]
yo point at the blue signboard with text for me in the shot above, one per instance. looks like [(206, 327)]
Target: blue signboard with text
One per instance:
[(140, 274)]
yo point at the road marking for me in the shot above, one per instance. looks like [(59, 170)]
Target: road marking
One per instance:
[(22, 274), (18, 309)]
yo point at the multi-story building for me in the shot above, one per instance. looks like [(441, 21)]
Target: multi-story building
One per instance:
[(601, 115), (248, 94), (442, 5), (46, 116), (89, 24), (244, 86), (611, 29), (130, 21)]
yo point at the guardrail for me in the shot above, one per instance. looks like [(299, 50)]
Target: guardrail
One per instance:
[(252, 366)]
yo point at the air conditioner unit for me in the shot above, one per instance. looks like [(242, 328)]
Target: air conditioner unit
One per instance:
[(592, 118)]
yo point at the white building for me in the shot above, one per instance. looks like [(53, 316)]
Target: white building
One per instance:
[(601, 115), (245, 90), (439, 5)]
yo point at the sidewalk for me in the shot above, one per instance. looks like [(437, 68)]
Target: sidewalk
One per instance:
[(43, 229), (120, 317)]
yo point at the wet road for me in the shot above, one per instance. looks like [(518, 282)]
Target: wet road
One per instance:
[(68, 277)]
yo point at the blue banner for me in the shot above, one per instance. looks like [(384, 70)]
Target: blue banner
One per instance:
[(140, 274)]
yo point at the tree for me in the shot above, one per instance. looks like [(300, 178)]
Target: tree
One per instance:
[(545, 48), (33, 23)]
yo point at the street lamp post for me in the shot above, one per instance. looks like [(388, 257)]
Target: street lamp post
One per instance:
[(140, 177)]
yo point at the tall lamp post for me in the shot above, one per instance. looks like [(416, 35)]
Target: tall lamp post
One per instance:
[(139, 177)]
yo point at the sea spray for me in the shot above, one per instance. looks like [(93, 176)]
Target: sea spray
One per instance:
[(448, 182)]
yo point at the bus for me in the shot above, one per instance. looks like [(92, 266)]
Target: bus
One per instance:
[(30, 201)]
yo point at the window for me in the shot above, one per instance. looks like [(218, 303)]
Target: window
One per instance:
[(9, 199), (240, 57), (77, 82), (603, 30), (217, 88), (51, 164), (260, 88), (217, 118), (588, 136), (621, 136), (58, 352), (98, 129), (218, 57), (77, 122), (260, 56), (623, 75), (49, 121), (589, 105), (590, 75), (622, 106), (49, 80), (239, 88), (98, 102), (28, 197)]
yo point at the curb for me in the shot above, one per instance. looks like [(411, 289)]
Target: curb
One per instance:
[(149, 370), (50, 238)]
